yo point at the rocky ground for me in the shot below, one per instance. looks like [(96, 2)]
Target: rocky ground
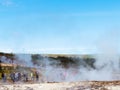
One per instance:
[(83, 85)]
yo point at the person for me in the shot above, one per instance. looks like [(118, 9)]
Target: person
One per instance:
[(25, 75), (16, 76), (4, 77), (37, 76), (31, 76), (12, 76), (19, 76)]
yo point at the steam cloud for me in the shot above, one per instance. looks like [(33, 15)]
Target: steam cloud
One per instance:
[(101, 67)]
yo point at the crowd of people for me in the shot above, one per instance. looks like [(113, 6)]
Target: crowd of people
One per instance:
[(18, 76)]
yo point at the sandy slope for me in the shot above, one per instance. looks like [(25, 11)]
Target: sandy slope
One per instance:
[(112, 85)]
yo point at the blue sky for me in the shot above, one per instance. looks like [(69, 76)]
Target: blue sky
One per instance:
[(59, 26)]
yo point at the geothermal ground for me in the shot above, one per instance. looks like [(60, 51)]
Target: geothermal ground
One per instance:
[(83, 85)]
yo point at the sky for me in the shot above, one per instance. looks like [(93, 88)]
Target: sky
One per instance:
[(59, 26)]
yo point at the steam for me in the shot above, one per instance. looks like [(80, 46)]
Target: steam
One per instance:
[(104, 70), (24, 59), (108, 61), (106, 64), (101, 67)]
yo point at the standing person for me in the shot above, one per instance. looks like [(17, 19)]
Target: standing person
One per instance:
[(4, 76), (37, 76), (19, 76), (12, 76), (31, 76), (16, 76), (25, 75)]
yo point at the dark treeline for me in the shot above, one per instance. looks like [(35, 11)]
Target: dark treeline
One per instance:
[(62, 61), (65, 61)]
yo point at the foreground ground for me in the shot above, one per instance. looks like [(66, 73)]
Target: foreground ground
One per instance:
[(87, 85)]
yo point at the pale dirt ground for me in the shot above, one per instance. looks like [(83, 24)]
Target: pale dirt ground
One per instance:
[(94, 85)]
